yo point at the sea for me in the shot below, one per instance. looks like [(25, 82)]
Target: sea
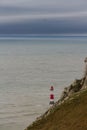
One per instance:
[(29, 66)]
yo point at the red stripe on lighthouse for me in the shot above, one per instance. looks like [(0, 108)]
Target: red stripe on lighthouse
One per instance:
[(52, 88), (51, 96)]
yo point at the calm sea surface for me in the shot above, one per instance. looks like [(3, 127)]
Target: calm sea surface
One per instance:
[(28, 67)]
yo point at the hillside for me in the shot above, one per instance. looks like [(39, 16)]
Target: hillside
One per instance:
[(70, 115), (69, 112)]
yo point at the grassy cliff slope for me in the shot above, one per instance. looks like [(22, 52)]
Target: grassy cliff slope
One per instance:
[(70, 115)]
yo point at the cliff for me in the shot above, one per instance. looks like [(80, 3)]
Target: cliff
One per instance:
[(69, 112)]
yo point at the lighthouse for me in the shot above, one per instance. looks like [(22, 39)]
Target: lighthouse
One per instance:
[(51, 95)]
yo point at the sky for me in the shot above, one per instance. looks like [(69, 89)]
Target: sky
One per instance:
[(43, 16)]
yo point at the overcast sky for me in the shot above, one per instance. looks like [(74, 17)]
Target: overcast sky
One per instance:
[(43, 16)]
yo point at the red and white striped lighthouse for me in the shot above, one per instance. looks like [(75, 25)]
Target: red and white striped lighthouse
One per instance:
[(51, 95)]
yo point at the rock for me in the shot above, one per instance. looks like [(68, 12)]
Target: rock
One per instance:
[(74, 87), (85, 83)]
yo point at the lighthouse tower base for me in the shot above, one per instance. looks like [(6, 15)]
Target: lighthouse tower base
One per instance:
[(51, 102)]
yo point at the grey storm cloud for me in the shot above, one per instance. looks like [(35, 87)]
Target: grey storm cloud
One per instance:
[(46, 16), (9, 7), (43, 2)]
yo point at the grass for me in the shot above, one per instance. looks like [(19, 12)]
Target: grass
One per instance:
[(71, 115)]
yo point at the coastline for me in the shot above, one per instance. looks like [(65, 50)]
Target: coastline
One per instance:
[(70, 93)]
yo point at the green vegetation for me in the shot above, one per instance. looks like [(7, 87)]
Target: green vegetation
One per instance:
[(70, 115)]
